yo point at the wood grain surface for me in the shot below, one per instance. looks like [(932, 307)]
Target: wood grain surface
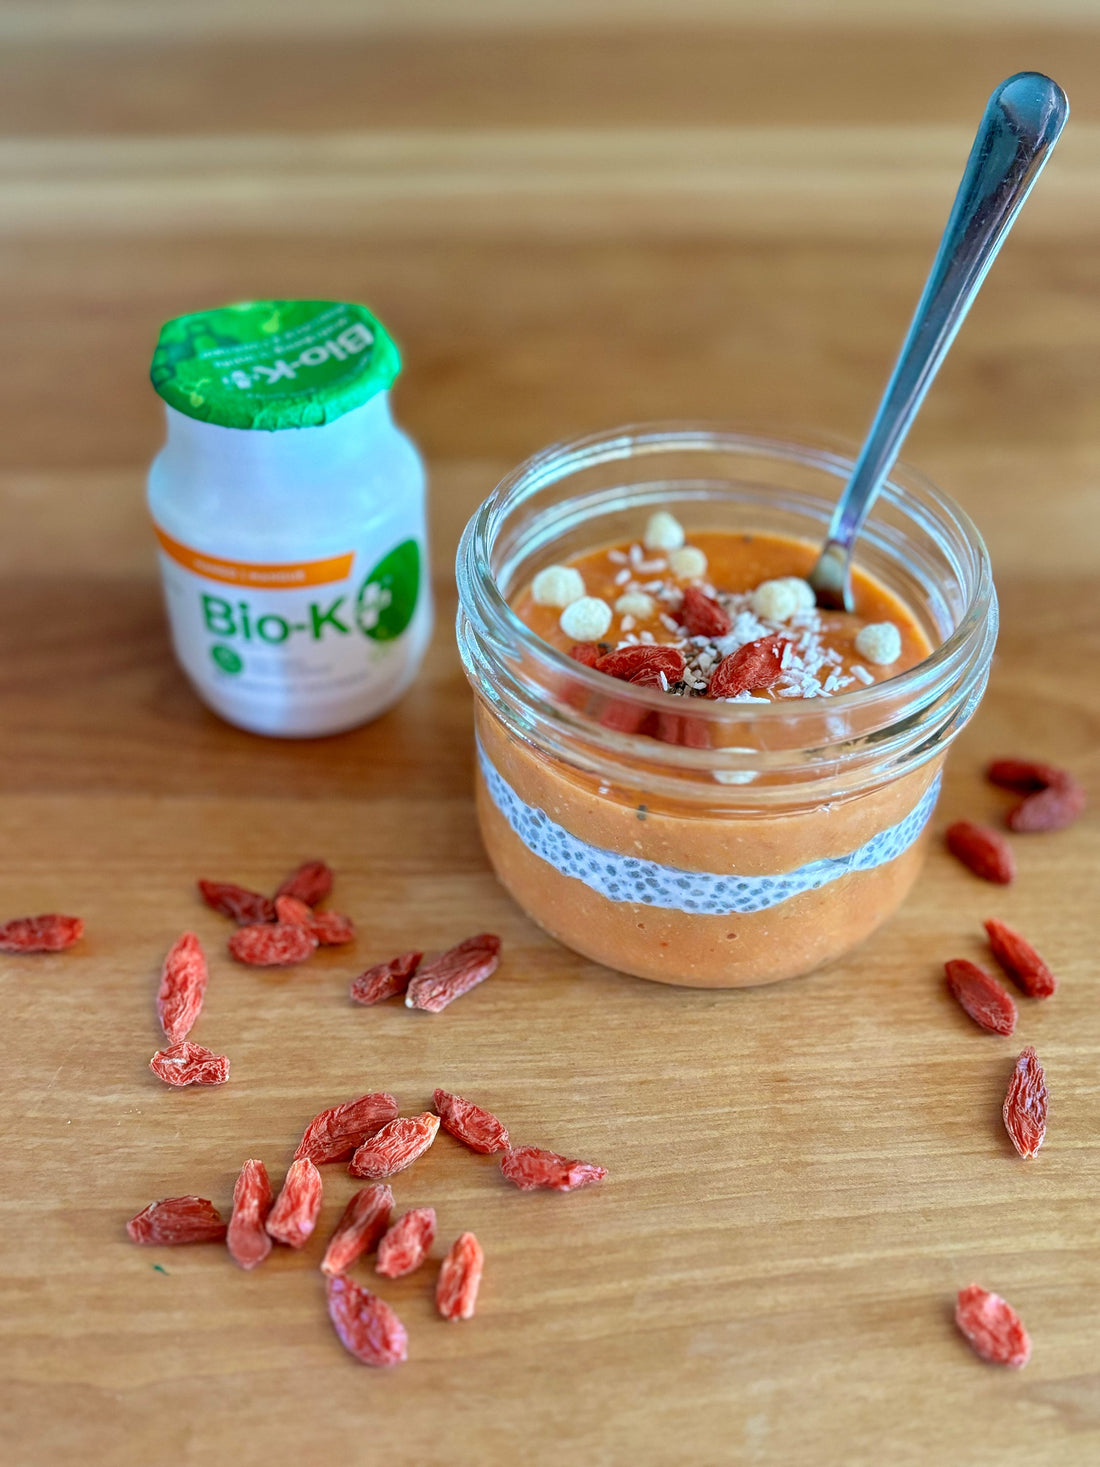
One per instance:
[(570, 216)]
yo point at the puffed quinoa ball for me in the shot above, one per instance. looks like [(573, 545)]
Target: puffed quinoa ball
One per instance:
[(880, 643), (557, 585), (663, 531), (688, 564), (636, 604), (586, 620), (781, 599), (807, 597)]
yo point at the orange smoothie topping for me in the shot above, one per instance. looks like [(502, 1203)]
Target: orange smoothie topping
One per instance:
[(727, 616)]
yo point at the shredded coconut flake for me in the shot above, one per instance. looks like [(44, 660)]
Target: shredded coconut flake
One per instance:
[(810, 668)]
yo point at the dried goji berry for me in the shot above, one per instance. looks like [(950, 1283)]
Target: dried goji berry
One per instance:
[(1025, 1107), (331, 929), (385, 980), (294, 1215), (751, 669), (992, 1327), (702, 615), (368, 1328), (443, 979), (182, 986), (396, 1146), (238, 902), (981, 996), (981, 850), (292, 909), (1023, 775), (460, 1278), (625, 718), (405, 1247), (365, 1220), (682, 729), (175, 1220), (668, 728), (1020, 960), (530, 1167), (335, 1133), (476, 1128), (272, 945), (1054, 808), (311, 883), (1054, 798), (247, 1237), (190, 1064), (586, 653), (50, 933), (644, 664)]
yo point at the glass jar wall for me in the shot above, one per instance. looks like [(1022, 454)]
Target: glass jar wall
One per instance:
[(731, 843)]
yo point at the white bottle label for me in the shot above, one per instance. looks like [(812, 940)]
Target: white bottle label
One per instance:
[(309, 632)]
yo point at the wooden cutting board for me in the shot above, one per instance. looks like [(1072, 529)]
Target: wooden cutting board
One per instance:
[(801, 1177)]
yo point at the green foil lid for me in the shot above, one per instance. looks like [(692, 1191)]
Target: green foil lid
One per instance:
[(273, 364)]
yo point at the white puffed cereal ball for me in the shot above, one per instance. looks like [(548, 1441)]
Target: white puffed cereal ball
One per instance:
[(557, 585), (803, 592), (636, 603), (586, 619), (688, 564), (775, 600), (880, 642), (663, 531)]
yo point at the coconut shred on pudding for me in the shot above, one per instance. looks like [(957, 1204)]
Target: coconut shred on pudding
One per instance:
[(726, 616)]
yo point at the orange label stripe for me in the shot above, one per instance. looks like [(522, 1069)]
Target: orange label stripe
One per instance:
[(284, 576)]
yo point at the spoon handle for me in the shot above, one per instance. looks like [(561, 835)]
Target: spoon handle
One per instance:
[(1021, 123)]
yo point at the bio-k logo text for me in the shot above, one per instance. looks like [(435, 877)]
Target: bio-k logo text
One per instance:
[(380, 610)]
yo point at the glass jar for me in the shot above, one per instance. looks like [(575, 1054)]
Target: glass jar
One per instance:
[(746, 842)]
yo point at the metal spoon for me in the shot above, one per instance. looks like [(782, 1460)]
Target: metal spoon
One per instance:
[(1021, 123)]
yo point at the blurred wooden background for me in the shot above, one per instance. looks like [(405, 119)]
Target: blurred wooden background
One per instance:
[(570, 215)]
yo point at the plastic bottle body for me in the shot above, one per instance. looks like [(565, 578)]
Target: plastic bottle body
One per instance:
[(295, 567)]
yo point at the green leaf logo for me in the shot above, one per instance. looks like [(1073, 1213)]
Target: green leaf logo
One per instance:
[(387, 598), (226, 658)]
